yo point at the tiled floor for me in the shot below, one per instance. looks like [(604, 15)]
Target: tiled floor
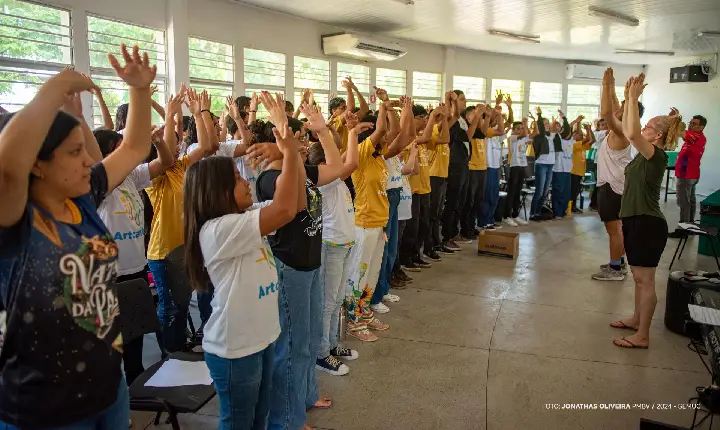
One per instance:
[(482, 343)]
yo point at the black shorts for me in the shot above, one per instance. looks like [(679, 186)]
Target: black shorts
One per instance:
[(644, 237), (608, 202)]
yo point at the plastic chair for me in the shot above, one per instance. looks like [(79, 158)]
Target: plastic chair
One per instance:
[(180, 289)]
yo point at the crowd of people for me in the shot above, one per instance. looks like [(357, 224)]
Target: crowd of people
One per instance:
[(293, 230)]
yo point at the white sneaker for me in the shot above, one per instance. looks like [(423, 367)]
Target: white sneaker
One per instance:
[(520, 221), (380, 308), (510, 222), (391, 298)]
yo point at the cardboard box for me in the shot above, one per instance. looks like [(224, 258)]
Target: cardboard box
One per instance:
[(499, 244)]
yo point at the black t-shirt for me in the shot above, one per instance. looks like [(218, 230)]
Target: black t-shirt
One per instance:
[(60, 362), (460, 148), (298, 243)]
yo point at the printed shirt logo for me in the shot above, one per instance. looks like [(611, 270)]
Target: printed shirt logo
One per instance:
[(313, 210), (132, 207), (88, 299)]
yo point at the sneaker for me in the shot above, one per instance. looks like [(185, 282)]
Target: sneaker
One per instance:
[(392, 298), (462, 239), (364, 334), (623, 268), (535, 218), (397, 284), (444, 249), (490, 227), (608, 274), (432, 255), (380, 308), (510, 222), (344, 353), (402, 276), (451, 245), (332, 366), (520, 221), (410, 267), (422, 263), (497, 225), (378, 325)]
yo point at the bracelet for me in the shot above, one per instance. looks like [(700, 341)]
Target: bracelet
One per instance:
[(205, 110), (252, 111)]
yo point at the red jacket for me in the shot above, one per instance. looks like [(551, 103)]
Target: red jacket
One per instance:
[(688, 160)]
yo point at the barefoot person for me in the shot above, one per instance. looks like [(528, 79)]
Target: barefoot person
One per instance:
[(643, 224)]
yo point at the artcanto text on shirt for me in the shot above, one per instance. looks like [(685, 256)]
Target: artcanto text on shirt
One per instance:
[(129, 234), (266, 291)]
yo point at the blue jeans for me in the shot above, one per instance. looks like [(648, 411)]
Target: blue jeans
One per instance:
[(204, 300), (294, 387), (335, 270), (391, 248), (543, 177), (560, 193), (116, 416), (492, 196), (173, 320), (243, 388)]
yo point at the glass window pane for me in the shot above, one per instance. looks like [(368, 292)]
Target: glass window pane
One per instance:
[(514, 89), (312, 73), (427, 85), (583, 94), (212, 61), (591, 113), (262, 113), (264, 68), (32, 32), (474, 88), (360, 76), (545, 92), (19, 85), (320, 99), (116, 92), (105, 37), (392, 81)]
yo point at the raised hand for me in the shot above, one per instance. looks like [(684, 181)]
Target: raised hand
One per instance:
[(673, 112), (508, 101), (153, 89), (137, 71), (156, 135), (381, 94), (580, 118), (192, 101), (498, 97), (266, 152), (232, 108), (71, 81), (538, 111), (94, 90), (351, 120), (561, 114), (442, 110), (524, 122), (307, 96), (174, 104), (315, 120), (346, 84), (73, 105), (205, 100), (608, 77), (254, 101), (637, 86), (276, 108), (286, 140), (362, 127)]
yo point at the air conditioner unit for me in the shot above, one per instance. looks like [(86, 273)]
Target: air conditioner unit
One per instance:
[(584, 71), (361, 47)]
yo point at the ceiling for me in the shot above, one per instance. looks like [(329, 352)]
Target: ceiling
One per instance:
[(565, 28)]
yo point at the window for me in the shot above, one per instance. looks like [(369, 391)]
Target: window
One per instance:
[(584, 100), (264, 70), (392, 81), (360, 76), (105, 37), (35, 43), (314, 74), (474, 88), (546, 95), (514, 89), (321, 100), (427, 88), (212, 67)]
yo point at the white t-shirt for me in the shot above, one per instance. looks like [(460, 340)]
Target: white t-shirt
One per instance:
[(548, 158), (405, 206), (123, 213), (227, 149), (518, 157), (241, 266), (563, 160), (394, 166), (249, 173), (493, 147), (338, 213), (611, 166)]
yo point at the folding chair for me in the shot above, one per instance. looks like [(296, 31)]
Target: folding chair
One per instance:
[(704, 230)]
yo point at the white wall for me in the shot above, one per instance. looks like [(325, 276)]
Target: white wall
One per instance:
[(696, 98)]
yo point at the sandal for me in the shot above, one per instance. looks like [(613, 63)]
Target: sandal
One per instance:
[(323, 403), (629, 345), (621, 325)]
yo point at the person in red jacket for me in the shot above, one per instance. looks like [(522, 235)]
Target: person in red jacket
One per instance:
[(687, 170)]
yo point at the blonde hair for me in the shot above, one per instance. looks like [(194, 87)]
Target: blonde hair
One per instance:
[(672, 127)]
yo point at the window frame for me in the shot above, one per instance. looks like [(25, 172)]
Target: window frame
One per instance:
[(215, 87), (339, 77), (578, 106), (471, 101), (520, 102), (318, 93), (383, 86), (427, 99)]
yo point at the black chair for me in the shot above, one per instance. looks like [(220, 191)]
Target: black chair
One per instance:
[(181, 290), (704, 230), (524, 193), (137, 318)]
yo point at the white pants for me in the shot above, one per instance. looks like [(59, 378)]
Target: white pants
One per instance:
[(365, 262)]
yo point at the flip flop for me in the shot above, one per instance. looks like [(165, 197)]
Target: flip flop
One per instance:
[(632, 345), (326, 399), (621, 325)]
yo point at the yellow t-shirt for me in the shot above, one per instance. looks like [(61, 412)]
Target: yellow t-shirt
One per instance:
[(166, 196), (530, 149), (439, 156), (342, 131), (420, 183), (372, 208), (578, 160), (478, 158)]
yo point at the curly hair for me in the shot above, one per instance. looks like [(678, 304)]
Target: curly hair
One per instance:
[(672, 128)]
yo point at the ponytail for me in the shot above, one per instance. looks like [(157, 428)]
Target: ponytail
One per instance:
[(676, 128)]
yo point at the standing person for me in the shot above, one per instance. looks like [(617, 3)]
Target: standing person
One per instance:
[(226, 247), (613, 156), (644, 226), (562, 168), (297, 248), (479, 118), (411, 167), (687, 170), (493, 149), (58, 260), (544, 146), (517, 159), (600, 133), (577, 174), (439, 160)]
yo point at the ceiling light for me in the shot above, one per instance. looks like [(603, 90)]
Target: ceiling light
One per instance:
[(642, 51), (522, 37), (613, 16), (706, 33)]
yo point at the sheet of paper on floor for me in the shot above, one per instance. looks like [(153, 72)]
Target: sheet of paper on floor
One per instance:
[(704, 315), (175, 373)]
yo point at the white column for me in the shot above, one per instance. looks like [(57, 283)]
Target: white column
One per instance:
[(448, 70), (178, 31), (81, 58)]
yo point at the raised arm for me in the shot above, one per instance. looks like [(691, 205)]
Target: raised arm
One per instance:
[(364, 108), (407, 128), (380, 126), (107, 118), (252, 113), (204, 146), (394, 123), (525, 131), (155, 105), (284, 204), (207, 122), (477, 119), (411, 165), (351, 159), (511, 115), (451, 101), (566, 130), (631, 118), (444, 126), (73, 106), (333, 167), (22, 137), (589, 140), (350, 96), (138, 74), (607, 98)]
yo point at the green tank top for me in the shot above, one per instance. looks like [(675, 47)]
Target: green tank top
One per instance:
[(643, 179)]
